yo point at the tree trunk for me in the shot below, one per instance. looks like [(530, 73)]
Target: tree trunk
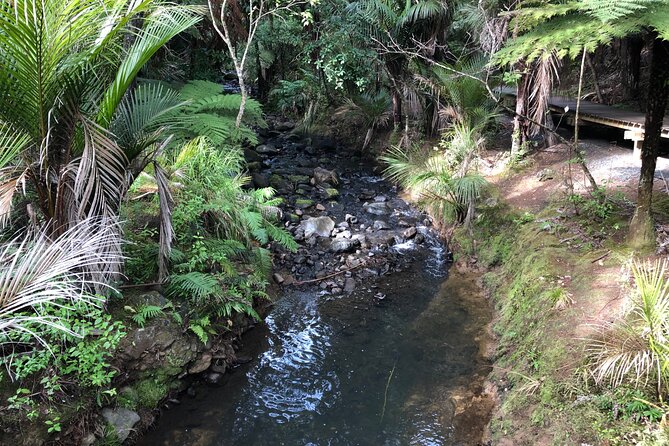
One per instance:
[(244, 93), (630, 58), (519, 137), (642, 230), (397, 107)]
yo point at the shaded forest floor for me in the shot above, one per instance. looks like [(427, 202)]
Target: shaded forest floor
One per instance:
[(556, 268)]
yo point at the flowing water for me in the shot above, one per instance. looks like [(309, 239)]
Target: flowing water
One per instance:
[(398, 362), (337, 372)]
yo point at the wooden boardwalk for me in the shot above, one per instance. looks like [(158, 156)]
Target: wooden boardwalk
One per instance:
[(632, 122)]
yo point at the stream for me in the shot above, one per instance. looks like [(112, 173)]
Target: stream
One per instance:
[(387, 349)]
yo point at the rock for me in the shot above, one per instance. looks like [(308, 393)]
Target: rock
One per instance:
[(409, 233), (254, 167), (284, 126), (252, 156), (420, 238), (349, 285), (344, 234), (325, 176), (304, 203), (88, 440), (260, 180), (321, 226), (324, 143), (546, 174), (376, 208), (380, 225), (277, 182), (320, 207), (331, 193), (213, 378), (344, 245), (380, 199), (298, 179), (201, 364), (267, 149), (222, 368), (351, 219), (122, 420), (278, 278)]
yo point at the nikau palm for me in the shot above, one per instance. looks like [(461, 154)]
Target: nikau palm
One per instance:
[(66, 72), (65, 67)]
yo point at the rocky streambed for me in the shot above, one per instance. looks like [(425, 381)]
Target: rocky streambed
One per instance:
[(367, 343)]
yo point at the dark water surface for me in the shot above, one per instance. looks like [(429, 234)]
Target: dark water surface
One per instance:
[(350, 370)]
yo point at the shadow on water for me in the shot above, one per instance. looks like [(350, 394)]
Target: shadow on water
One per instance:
[(352, 370)]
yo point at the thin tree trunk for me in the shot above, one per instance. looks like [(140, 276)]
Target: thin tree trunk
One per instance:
[(244, 93), (595, 78), (642, 230), (397, 107), (519, 137)]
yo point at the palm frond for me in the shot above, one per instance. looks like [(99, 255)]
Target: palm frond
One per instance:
[(100, 174), (38, 270), (162, 24)]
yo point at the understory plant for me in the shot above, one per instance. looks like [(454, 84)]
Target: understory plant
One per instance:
[(219, 262), (634, 349)]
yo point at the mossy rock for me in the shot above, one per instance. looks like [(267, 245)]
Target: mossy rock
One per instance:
[(331, 193), (303, 203), (277, 181), (299, 179)]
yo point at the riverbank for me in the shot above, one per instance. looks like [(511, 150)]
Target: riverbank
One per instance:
[(557, 270)]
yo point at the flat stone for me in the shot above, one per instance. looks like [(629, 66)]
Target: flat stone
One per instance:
[(381, 225), (320, 207), (409, 233), (303, 203), (267, 149), (201, 364), (376, 208), (331, 193), (344, 245), (122, 420), (278, 278), (349, 285)]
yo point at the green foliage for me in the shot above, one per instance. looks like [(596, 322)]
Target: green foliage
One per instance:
[(202, 328), (145, 313), (429, 174), (208, 112), (80, 358), (566, 28), (635, 349)]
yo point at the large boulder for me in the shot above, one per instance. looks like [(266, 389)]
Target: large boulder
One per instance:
[(321, 226)]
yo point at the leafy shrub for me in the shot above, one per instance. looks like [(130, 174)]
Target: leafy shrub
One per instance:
[(80, 356)]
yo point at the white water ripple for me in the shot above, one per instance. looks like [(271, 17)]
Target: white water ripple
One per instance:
[(290, 379)]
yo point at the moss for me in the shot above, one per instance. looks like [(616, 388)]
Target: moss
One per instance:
[(303, 203), (150, 392)]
